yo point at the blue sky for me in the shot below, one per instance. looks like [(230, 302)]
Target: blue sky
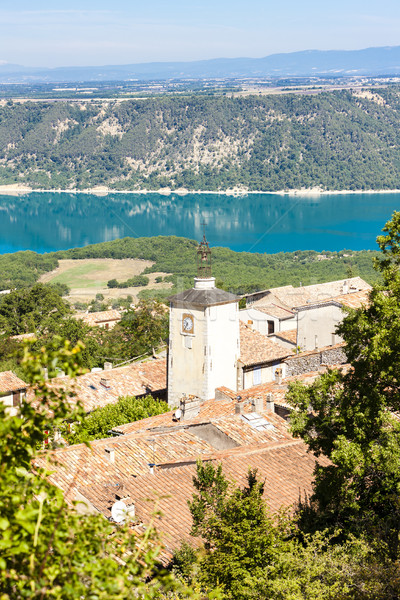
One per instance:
[(89, 32)]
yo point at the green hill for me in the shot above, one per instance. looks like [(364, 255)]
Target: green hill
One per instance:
[(239, 272), (334, 140)]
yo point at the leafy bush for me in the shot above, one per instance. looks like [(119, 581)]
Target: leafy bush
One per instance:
[(128, 409)]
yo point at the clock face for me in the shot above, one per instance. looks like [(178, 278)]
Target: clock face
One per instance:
[(187, 324)]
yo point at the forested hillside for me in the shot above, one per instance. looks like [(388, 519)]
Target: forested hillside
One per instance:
[(336, 140), (239, 272)]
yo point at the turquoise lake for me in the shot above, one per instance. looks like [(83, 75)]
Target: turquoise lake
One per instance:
[(46, 221)]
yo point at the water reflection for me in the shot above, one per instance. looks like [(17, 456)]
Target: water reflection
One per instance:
[(258, 223)]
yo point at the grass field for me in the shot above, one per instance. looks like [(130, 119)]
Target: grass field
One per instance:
[(88, 277)]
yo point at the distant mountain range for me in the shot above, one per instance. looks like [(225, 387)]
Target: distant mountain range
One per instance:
[(370, 61)]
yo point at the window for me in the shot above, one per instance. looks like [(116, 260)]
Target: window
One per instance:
[(271, 327), (257, 376)]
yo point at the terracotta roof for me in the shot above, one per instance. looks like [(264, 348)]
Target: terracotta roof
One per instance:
[(274, 310), (174, 443), (256, 348), (96, 318), (288, 336), (278, 390), (9, 382), (137, 379), (355, 299), (292, 297), (286, 468)]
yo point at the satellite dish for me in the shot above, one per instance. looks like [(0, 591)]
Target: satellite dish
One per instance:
[(178, 413), (119, 511)]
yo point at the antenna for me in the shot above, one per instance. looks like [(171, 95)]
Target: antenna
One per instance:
[(119, 511)]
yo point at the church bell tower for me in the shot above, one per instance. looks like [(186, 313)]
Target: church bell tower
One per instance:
[(203, 337)]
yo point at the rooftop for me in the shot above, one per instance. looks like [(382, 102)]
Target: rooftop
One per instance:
[(287, 336), (286, 468), (9, 382), (98, 389), (204, 297), (96, 318), (292, 297), (256, 348)]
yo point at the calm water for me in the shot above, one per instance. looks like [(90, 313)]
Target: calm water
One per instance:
[(255, 223)]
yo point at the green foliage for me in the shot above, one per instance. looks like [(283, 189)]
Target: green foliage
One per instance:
[(141, 329), (239, 272), (335, 140), (75, 330), (61, 288), (97, 424), (351, 422), (31, 310), (249, 555), (136, 281), (47, 549), (241, 539), (184, 562), (23, 269)]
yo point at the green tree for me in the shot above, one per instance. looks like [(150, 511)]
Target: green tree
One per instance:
[(143, 328), (30, 310), (47, 549), (240, 537), (128, 409), (351, 422)]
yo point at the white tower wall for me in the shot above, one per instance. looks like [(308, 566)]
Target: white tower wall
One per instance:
[(202, 360)]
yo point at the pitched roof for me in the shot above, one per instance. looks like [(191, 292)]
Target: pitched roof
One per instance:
[(286, 468), (9, 382), (292, 297), (288, 336), (256, 348), (206, 297), (274, 310), (96, 318), (136, 379), (355, 299)]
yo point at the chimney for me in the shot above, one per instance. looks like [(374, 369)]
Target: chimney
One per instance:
[(110, 454), (151, 467), (239, 406), (278, 375), (105, 383), (108, 366), (345, 288), (270, 405), (257, 405)]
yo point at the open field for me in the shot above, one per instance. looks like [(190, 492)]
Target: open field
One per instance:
[(88, 277)]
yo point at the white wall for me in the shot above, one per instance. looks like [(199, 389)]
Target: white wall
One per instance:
[(250, 378), (8, 400), (212, 359), (260, 321), (316, 326)]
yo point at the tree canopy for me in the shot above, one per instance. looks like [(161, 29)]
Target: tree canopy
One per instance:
[(47, 549), (352, 418)]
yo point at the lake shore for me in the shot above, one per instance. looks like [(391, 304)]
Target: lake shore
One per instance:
[(20, 189)]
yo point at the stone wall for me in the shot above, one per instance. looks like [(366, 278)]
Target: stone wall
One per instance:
[(312, 361)]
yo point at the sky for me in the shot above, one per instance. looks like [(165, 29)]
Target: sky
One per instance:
[(102, 32)]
